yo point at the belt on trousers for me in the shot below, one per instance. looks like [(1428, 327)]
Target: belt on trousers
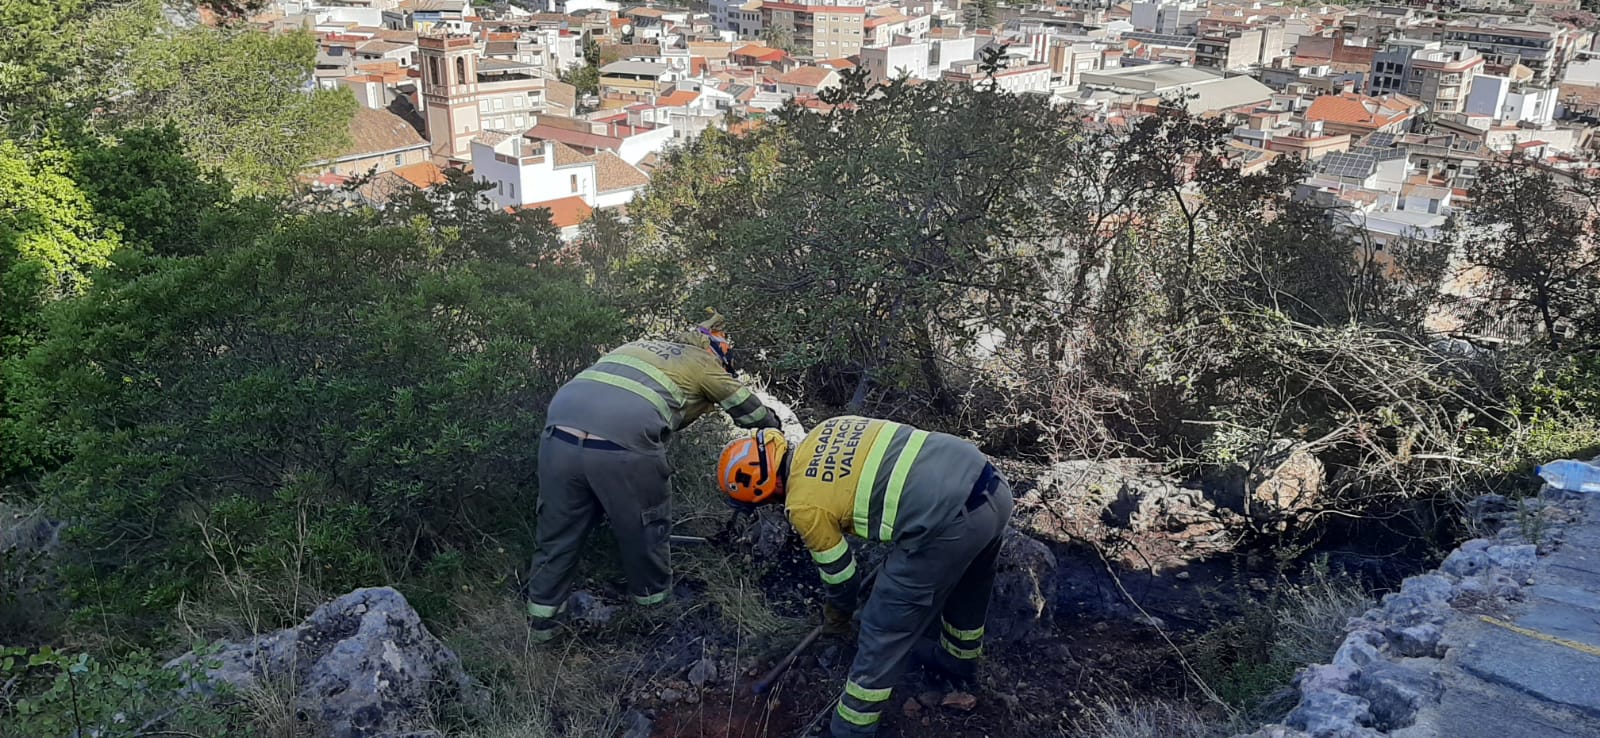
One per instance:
[(988, 481), (599, 444)]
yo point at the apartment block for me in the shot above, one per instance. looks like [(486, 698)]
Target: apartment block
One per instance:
[(818, 31)]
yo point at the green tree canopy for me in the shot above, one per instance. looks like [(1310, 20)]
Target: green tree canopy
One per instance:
[(365, 384), (1531, 233), (242, 101)]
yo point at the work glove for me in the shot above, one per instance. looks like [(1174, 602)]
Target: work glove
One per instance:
[(835, 620)]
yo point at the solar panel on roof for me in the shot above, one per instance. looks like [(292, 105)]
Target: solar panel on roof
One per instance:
[(1343, 164), (1381, 139), (1163, 39), (1384, 154)]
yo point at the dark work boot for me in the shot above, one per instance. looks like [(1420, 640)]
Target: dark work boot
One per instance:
[(960, 674)]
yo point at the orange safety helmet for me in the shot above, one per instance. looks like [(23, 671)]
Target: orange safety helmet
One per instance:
[(750, 469), (721, 347)]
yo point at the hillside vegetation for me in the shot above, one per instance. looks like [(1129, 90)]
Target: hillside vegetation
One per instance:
[(243, 399)]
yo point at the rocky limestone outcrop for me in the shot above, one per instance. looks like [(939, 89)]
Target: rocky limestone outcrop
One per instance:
[(1128, 509), (1024, 588), (29, 590), (1389, 669), (362, 666), (1287, 483)]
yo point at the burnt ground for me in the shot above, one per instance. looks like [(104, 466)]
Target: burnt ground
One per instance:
[(1034, 687), (1114, 635)]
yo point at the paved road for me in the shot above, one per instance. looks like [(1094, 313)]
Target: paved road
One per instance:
[(1533, 672)]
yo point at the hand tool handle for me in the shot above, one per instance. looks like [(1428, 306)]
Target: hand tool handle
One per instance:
[(777, 671)]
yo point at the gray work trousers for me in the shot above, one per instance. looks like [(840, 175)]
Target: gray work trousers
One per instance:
[(947, 574), (579, 483)]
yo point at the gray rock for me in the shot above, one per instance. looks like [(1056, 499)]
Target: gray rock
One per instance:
[(1466, 563), (638, 725), (1325, 678), (1288, 481), (29, 585), (1332, 715), (1428, 588), (704, 670), (1278, 731), (1155, 522), (1416, 640), (1519, 560), (27, 531), (361, 666), (1395, 693), (1357, 651), (1024, 587), (587, 608)]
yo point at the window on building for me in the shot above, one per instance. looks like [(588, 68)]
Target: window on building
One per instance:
[(433, 69), (499, 103), (397, 159), (574, 183), (461, 70), (513, 190)]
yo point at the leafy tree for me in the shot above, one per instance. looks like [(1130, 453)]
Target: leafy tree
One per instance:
[(901, 226), (238, 98), (146, 184), (585, 78), (50, 243), (1532, 236), (980, 13), (780, 38), (63, 58), (343, 397)]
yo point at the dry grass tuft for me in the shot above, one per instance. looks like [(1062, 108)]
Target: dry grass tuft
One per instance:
[(1109, 718), (568, 688)]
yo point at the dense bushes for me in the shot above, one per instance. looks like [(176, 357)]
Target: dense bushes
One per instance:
[(340, 397)]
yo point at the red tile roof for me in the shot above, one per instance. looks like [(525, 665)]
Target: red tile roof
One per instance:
[(421, 175), (759, 53), (580, 139), (807, 76), (677, 99), (565, 212), (1359, 110)]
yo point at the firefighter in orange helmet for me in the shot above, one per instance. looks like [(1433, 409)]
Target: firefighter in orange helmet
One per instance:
[(934, 497)]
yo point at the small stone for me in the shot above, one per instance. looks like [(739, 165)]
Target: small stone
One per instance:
[(1100, 627), (692, 698), (959, 701), (912, 708), (670, 695), (1259, 585), (638, 725), (1183, 576), (930, 698), (705, 670)]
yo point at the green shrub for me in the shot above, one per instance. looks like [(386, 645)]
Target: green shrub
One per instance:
[(333, 402), (52, 693), (1275, 633)]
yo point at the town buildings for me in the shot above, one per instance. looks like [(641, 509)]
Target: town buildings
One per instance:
[(1391, 108)]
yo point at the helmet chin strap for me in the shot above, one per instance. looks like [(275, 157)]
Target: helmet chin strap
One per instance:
[(719, 346)]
